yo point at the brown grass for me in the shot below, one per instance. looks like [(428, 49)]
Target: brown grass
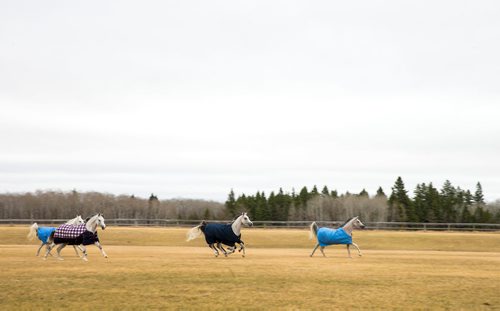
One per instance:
[(154, 268)]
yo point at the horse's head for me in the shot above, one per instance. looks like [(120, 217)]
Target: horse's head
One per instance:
[(100, 221), (79, 220), (245, 220), (357, 223)]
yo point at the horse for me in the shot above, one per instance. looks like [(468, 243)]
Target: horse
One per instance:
[(95, 239), (81, 235), (342, 235), (43, 233), (218, 234)]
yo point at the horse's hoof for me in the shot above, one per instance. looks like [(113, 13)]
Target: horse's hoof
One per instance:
[(85, 259), (360, 255), (105, 256), (60, 258)]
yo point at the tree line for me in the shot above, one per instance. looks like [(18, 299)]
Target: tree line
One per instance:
[(428, 204), (66, 205)]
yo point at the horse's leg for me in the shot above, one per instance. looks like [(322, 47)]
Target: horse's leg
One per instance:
[(322, 252), (231, 249), (102, 250), (216, 252), (49, 248), (76, 251), (84, 250), (39, 249), (348, 250), (59, 249), (315, 248), (219, 246), (243, 248), (359, 251)]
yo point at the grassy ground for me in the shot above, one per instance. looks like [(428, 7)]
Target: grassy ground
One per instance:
[(154, 268)]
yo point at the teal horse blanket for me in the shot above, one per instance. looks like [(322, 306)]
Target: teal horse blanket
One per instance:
[(328, 236), (43, 233)]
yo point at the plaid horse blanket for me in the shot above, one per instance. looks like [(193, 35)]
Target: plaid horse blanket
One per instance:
[(69, 231), (328, 236), (43, 233), (224, 234)]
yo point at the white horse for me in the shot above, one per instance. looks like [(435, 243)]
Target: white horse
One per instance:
[(82, 236), (342, 235), (43, 233), (218, 234)]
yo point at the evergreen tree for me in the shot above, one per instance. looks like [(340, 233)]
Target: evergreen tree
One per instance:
[(468, 202), (272, 207), (283, 204), (363, 193), (449, 202), (478, 195), (400, 208), (261, 208), (420, 204), (303, 197), (231, 204), (325, 191), (380, 192), (433, 200), (314, 191), (334, 194)]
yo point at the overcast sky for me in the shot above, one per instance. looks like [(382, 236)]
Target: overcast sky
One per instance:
[(192, 98)]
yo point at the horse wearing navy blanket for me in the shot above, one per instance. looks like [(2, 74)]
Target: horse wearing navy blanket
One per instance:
[(81, 235), (218, 234), (342, 235), (43, 233)]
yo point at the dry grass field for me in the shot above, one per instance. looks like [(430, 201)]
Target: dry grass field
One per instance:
[(154, 268)]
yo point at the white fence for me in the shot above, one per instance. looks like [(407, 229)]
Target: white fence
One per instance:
[(275, 224)]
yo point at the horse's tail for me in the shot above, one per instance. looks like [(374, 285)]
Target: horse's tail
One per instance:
[(313, 230), (33, 231), (195, 232)]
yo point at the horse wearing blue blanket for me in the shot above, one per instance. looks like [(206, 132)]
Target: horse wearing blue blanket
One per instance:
[(44, 233), (342, 235), (218, 234)]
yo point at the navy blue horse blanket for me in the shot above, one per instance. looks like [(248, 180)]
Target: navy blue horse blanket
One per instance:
[(220, 233), (74, 235), (328, 236)]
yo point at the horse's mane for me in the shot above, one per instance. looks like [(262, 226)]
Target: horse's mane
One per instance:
[(345, 223), (235, 217)]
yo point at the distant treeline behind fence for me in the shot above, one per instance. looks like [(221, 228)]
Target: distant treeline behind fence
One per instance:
[(428, 205), (273, 224)]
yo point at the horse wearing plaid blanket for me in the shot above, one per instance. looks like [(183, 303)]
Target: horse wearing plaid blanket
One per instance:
[(81, 235), (218, 234), (43, 233), (342, 235)]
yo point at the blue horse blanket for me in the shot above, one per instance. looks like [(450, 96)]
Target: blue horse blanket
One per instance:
[(215, 233), (328, 236), (43, 233)]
